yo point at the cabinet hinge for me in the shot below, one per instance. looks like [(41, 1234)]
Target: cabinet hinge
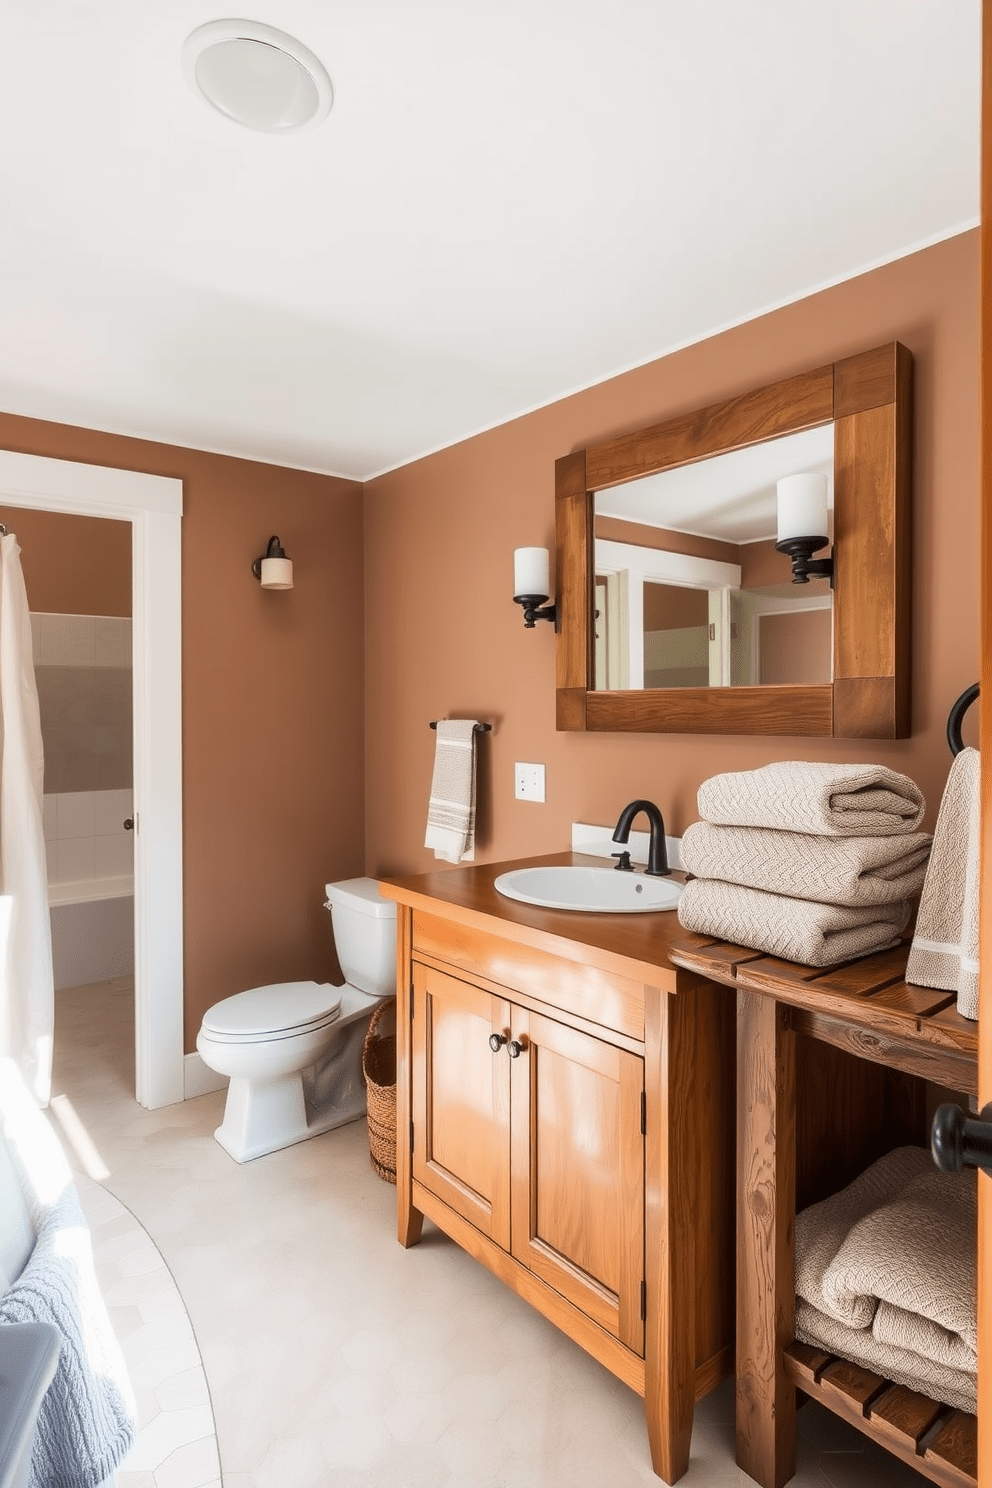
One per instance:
[(644, 1301), (644, 1113), (411, 1136), (412, 1003)]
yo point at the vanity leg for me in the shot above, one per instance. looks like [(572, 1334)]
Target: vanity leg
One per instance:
[(766, 1213), (409, 1221), (670, 1159)]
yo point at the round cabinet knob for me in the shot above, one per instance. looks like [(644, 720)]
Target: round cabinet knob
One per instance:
[(129, 824), (496, 1041), (514, 1048)]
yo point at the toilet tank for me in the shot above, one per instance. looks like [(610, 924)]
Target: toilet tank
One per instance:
[(364, 934)]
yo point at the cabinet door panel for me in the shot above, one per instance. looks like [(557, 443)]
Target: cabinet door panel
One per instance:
[(578, 1171), (461, 1144)]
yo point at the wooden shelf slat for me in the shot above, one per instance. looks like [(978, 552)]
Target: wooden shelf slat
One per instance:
[(904, 1415), (920, 1002), (857, 1385), (955, 1446)]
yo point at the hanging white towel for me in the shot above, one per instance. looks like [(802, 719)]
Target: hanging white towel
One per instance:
[(944, 952), (27, 1001), (451, 810)]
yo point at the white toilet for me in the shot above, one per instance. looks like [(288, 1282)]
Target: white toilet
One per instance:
[(293, 1050)]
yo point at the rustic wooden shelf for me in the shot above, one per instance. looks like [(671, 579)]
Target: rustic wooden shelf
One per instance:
[(940, 1442), (864, 1006), (867, 1009)]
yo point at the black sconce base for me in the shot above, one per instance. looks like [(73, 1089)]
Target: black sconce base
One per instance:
[(532, 609), (804, 565)]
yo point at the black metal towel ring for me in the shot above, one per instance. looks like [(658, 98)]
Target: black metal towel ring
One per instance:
[(954, 718)]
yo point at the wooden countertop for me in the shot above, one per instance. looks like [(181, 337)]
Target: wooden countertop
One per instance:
[(627, 944)]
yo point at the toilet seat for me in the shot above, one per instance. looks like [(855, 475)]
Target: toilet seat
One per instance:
[(279, 1010)]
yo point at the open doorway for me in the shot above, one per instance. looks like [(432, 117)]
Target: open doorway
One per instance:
[(152, 506), (77, 576)]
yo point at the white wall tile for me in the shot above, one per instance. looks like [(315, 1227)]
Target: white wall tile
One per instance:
[(75, 814), (75, 859), (50, 639), (112, 855), (112, 641), (52, 862), (109, 810)]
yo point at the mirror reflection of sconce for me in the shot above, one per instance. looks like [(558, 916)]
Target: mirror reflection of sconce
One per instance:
[(803, 526), (532, 585), (273, 569)]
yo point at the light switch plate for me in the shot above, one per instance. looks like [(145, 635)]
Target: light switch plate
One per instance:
[(528, 782)]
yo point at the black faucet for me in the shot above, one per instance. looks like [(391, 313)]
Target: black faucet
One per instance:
[(657, 850)]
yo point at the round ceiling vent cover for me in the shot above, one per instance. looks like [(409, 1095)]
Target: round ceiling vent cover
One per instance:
[(257, 76)]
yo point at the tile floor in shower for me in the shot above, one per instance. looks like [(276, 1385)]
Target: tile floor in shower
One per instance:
[(334, 1357)]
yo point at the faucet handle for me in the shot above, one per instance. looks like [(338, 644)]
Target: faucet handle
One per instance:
[(624, 865)]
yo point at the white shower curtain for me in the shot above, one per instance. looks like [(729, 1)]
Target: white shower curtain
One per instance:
[(27, 1000)]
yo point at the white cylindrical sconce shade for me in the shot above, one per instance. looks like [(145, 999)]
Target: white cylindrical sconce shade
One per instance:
[(531, 572), (802, 507), (277, 573)]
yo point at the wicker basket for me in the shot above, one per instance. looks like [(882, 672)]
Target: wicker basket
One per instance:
[(379, 1069)]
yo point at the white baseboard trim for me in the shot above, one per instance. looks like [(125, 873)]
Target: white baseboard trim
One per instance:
[(199, 1078), (598, 842)]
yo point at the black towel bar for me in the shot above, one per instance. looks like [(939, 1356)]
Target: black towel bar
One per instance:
[(480, 728), (954, 740)]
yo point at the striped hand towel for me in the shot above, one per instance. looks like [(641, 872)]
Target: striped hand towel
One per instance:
[(944, 952), (451, 810)]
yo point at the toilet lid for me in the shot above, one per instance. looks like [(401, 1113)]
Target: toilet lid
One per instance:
[(283, 1007)]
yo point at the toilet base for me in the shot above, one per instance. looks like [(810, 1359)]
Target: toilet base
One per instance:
[(263, 1116)]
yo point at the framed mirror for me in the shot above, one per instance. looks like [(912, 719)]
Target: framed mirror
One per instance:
[(677, 614)]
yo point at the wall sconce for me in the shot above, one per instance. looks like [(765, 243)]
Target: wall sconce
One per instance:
[(803, 526), (273, 569), (531, 584)]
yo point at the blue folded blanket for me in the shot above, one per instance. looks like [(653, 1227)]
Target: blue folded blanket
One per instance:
[(87, 1421)]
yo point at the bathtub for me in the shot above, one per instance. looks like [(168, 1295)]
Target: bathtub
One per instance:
[(92, 929)]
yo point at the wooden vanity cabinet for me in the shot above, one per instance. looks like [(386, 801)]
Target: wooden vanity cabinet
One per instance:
[(569, 1122), (532, 1131)]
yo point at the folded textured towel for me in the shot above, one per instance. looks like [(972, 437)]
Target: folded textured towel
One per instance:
[(88, 1416), (952, 1386), (795, 929), (891, 1261), (451, 810), (944, 952), (827, 870), (825, 800)]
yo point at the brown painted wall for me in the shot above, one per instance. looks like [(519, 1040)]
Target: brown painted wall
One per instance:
[(272, 706), (443, 636), (796, 648), (669, 607), (72, 565)]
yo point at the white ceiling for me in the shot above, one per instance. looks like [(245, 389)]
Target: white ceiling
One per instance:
[(510, 200)]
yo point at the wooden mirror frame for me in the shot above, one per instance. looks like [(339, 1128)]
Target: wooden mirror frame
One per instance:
[(868, 398)]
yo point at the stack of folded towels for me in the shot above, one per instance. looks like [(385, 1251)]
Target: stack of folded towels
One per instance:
[(886, 1275), (815, 863)]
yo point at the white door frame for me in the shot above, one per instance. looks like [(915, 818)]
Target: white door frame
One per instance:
[(153, 504)]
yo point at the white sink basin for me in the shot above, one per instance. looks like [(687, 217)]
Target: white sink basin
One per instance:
[(593, 890)]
